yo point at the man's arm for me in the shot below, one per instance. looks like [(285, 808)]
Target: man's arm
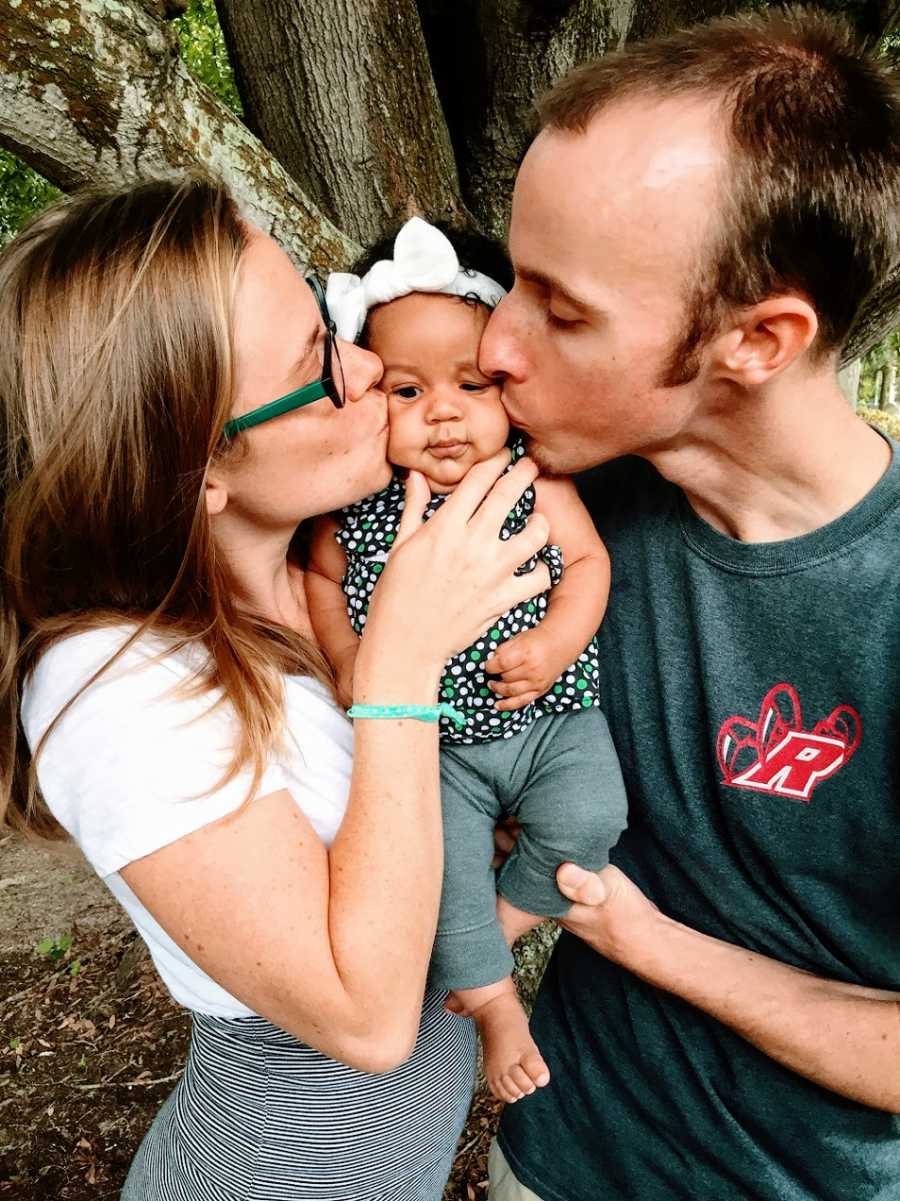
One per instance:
[(843, 1037)]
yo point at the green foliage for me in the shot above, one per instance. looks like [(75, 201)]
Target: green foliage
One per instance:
[(22, 192), (57, 948), (204, 53)]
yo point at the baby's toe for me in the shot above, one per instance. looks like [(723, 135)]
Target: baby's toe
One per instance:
[(504, 1088), (520, 1078), (534, 1067)]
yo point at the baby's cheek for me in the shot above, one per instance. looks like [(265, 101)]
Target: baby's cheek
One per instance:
[(403, 444)]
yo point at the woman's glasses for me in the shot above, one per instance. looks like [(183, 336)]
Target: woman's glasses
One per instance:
[(330, 384)]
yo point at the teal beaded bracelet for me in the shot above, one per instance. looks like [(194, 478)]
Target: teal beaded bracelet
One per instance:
[(419, 712)]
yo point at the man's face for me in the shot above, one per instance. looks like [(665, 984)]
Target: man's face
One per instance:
[(609, 231)]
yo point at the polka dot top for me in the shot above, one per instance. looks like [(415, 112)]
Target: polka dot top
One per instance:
[(368, 529)]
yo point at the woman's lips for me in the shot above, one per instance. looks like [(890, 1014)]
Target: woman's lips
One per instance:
[(448, 450)]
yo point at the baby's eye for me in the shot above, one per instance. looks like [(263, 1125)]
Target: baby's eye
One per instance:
[(470, 387), (408, 392)]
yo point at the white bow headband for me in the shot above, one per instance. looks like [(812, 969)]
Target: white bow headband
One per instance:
[(424, 261)]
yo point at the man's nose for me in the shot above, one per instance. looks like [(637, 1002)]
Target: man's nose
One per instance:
[(500, 351)]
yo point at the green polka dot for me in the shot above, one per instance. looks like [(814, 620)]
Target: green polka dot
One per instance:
[(484, 692), (586, 702), (449, 691), (532, 607), (475, 656), (582, 684), (389, 537), (507, 715), (494, 634), (557, 688), (378, 568)]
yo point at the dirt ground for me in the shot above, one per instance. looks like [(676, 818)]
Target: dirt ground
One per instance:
[(90, 1042)]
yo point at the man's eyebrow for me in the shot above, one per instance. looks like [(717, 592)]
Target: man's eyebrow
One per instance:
[(531, 276)]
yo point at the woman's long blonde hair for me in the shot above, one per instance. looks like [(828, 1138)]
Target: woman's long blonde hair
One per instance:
[(116, 378)]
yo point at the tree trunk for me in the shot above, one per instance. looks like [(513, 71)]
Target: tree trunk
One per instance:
[(342, 93), (96, 93), (848, 378), (491, 59), (889, 386), (877, 387)]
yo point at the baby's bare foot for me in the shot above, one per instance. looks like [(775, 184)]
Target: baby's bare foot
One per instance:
[(512, 1062)]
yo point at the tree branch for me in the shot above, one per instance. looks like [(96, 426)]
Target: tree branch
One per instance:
[(342, 92), (878, 316), (97, 94)]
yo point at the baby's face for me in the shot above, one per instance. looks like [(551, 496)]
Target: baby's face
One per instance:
[(445, 415)]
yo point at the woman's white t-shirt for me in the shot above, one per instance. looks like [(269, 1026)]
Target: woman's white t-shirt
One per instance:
[(129, 767)]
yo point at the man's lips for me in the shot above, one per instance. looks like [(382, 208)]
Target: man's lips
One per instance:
[(448, 449)]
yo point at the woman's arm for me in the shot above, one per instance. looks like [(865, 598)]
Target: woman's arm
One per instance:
[(333, 945), (530, 662), (843, 1037), (330, 945)]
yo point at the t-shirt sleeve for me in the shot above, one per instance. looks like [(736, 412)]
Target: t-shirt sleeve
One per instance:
[(137, 760)]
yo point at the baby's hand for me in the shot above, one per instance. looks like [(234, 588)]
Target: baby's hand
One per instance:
[(344, 665), (527, 666)]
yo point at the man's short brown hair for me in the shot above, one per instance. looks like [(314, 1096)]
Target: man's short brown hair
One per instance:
[(813, 190)]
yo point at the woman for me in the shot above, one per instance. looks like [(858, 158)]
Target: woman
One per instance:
[(174, 406)]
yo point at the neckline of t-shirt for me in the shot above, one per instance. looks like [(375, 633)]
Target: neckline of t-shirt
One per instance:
[(804, 551)]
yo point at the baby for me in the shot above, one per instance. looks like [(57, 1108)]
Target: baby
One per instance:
[(424, 316)]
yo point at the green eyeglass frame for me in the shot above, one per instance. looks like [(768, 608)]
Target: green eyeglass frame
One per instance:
[(327, 385)]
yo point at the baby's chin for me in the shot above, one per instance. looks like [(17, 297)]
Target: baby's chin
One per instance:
[(441, 478), (443, 475)]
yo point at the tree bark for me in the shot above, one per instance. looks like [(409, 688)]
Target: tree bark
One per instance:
[(491, 59), (878, 316), (96, 93), (343, 94)]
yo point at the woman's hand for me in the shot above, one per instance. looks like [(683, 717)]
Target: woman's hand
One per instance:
[(447, 579)]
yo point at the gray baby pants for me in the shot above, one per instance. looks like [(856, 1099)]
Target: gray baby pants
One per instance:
[(560, 778)]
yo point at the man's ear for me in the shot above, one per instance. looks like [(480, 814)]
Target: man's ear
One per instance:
[(216, 493), (765, 339)]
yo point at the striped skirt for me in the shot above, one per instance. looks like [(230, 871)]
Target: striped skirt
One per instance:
[(259, 1116)]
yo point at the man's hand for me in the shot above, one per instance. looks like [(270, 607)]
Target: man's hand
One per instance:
[(609, 913), (528, 665), (844, 1037)]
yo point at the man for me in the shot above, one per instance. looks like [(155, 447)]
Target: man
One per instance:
[(694, 229)]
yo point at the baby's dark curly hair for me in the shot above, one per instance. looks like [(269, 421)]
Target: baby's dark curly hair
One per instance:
[(475, 251)]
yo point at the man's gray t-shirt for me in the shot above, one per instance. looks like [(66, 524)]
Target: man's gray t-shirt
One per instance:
[(753, 693)]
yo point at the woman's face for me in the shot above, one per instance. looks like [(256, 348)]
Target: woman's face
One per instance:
[(313, 459)]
